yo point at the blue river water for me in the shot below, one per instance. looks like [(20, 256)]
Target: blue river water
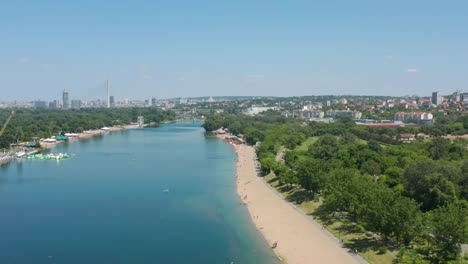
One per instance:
[(108, 204)]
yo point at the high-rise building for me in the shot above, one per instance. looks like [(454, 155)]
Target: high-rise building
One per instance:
[(437, 98), (66, 99), (141, 121), (464, 98), (108, 95), (76, 104), (112, 101), (153, 101)]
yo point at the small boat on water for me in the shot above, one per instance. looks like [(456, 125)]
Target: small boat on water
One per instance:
[(29, 153), (20, 154), (105, 128), (166, 190)]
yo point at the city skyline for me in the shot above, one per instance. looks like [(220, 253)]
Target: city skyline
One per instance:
[(259, 48), (110, 100)]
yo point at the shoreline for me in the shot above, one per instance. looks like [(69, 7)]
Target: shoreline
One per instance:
[(89, 134), (299, 238)]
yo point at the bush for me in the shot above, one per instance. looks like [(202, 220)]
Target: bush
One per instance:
[(360, 228), (382, 250)]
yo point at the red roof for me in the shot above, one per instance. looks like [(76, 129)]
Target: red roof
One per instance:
[(406, 135)]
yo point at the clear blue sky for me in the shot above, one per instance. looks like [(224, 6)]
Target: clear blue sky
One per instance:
[(243, 47)]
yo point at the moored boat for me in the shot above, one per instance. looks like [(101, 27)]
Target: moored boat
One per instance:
[(20, 154)]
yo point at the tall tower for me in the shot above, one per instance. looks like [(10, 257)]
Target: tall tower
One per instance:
[(437, 98), (66, 99), (108, 95)]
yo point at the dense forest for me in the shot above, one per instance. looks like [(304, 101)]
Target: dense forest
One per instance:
[(413, 195), (42, 123)]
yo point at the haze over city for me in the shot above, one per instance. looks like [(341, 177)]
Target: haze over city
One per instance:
[(170, 49)]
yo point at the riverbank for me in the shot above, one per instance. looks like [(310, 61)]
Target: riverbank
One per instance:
[(299, 239), (88, 134)]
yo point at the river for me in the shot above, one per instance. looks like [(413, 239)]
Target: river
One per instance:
[(156, 195)]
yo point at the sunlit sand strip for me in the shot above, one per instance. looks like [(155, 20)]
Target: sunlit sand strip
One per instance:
[(299, 239)]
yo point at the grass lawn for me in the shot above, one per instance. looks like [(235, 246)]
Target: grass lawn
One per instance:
[(305, 145), (311, 140)]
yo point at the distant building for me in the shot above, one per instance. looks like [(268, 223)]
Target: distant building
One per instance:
[(141, 121), (457, 96), (416, 116), (255, 110), (464, 98), (40, 104), (437, 98), (307, 114), (153, 101), (112, 101), (425, 101), (76, 104), (66, 99), (313, 106), (407, 137), (344, 113), (54, 104)]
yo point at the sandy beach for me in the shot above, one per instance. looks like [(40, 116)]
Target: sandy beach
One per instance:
[(299, 239)]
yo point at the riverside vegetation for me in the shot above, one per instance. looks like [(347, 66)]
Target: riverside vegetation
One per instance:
[(393, 202), (42, 123)]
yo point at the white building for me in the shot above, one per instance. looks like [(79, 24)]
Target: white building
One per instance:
[(308, 114), (141, 121), (255, 110), (343, 113), (418, 116)]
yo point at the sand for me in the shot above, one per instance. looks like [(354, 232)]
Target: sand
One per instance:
[(299, 238)]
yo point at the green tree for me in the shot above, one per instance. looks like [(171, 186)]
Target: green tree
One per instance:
[(448, 231), (311, 174), (438, 148)]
